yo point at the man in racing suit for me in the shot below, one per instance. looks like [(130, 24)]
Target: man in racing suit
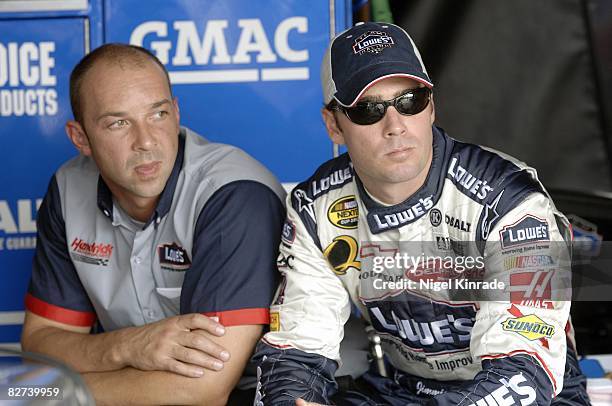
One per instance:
[(396, 227)]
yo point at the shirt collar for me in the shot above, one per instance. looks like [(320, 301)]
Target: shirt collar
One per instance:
[(105, 196)]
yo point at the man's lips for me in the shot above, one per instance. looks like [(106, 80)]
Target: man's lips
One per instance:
[(148, 169), (399, 151)]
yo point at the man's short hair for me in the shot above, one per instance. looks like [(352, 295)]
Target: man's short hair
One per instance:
[(121, 54)]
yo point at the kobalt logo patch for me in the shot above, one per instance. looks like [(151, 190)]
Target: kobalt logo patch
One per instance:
[(372, 41), (435, 217), (344, 212), (94, 253), (458, 223), (173, 257), (527, 230)]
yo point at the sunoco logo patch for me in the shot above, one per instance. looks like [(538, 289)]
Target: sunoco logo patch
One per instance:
[(173, 257), (531, 327), (372, 41), (344, 212)]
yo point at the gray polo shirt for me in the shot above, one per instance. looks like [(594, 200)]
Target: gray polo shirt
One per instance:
[(210, 246)]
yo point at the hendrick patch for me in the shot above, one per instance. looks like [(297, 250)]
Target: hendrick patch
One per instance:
[(94, 253)]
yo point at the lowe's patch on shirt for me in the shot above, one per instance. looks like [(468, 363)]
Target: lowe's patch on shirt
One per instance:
[(527, 230), (173, 257)]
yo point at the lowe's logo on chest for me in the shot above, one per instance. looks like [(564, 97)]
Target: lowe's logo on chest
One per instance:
[(527, 230), (173, 257)]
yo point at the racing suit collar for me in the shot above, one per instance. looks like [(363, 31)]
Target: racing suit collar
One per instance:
[(383, 218)]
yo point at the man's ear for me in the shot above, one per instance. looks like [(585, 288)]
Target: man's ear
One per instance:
[(433, 109), (333, 128), (176, 108), (77, 135)]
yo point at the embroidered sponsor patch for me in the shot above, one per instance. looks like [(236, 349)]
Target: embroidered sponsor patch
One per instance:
[(531, 288), (435, 217), (274, 321), (173, 257), (304, 202), (527, 230), (372, 41), (528, 261), (457, 223), (530, 326), (284, 261), (342, 254), (344, 212), (94, 253), (288, 235)]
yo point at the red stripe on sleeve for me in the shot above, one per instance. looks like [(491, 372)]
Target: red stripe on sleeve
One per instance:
[(59, 314), (242, 316)]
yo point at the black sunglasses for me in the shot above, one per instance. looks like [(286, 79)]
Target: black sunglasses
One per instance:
[(409, 103)]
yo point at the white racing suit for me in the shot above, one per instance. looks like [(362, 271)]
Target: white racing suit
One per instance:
[(481, 218)]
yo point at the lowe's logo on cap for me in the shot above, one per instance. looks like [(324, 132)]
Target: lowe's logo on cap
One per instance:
[(372, 41), (527, 230)]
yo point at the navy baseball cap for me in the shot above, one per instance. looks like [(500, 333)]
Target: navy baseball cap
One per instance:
[(365, 54)]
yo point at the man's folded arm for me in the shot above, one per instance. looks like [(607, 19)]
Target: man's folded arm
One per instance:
[(135, 387)]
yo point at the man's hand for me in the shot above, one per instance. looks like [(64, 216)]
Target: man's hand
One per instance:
[(302, 402), (177, 344)]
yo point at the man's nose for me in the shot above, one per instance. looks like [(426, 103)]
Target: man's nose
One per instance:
[(143, 137), (393, 123)]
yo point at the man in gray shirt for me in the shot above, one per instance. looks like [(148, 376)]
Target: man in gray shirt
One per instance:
[(165, 242)]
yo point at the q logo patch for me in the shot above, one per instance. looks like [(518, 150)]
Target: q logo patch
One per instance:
[(342, 254)]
